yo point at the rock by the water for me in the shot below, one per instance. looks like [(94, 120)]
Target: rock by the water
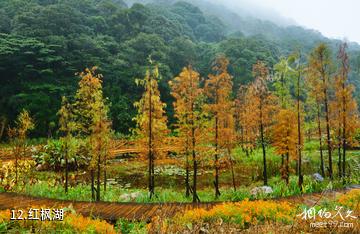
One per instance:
[(261, 190), (317, 177)]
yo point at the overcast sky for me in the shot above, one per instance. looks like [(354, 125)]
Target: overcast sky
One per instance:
[(333, 18)]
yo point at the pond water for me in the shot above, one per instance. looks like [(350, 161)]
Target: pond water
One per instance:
[(169, 176)]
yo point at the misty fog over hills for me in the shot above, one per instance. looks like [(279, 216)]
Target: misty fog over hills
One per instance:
[(249, 19)]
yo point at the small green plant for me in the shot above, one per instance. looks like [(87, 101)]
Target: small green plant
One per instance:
[(128, 227)]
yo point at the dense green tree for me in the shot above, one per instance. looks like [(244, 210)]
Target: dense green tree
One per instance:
[(244, 52)]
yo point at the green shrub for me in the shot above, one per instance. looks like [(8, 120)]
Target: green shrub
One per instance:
[(52, 155), (127, 227)]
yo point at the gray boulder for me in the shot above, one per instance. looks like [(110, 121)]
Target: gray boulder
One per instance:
[(130, 196), (261, 190), (317, 177)]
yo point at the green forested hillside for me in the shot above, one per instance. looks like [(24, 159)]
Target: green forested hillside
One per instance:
[(43, 43)]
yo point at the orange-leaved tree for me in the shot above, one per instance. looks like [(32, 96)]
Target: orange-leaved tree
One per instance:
[(347, 116), (264, 102), (190, 120), (227, 135), (285, 138), (90, 110), (100, 144), (218, 88), (151, 123), (246, 118), (24, 123), (314, 103), (320, 66), (67, 127)]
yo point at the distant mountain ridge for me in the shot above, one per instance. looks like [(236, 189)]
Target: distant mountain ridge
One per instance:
[(43, 43)]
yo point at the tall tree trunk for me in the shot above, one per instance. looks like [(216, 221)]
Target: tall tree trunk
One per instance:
[(150, 174), (105, 175), (187, 184), (344, 131), (344, 162), (216, 182), (263, 142), (92, 174), (300, 182), (339, 147), (232, 169), (2, 128), (194, 188), (242, 139), (339, 162), (153, 173), (287, 168), (151, 170), (66, 166), (322, 166), (98, 177), (329, 146), (49, 135), (187, 167)]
